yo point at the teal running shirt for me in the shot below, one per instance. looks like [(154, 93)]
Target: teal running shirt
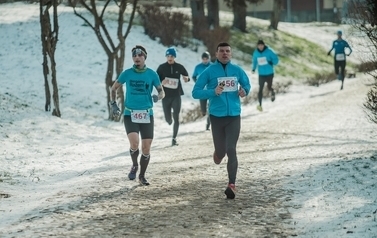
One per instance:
[(138, 89)]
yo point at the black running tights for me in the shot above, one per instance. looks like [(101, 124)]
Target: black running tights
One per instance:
[(342, 66), (262, 80), (168, 104), (225, 133)]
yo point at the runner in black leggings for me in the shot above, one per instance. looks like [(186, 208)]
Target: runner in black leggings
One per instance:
[(339, 46), (224, 83), (170, 74)]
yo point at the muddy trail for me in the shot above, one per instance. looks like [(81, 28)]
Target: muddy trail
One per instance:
[(283, 153)]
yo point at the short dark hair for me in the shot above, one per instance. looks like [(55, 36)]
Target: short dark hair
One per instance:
[(222, 44)]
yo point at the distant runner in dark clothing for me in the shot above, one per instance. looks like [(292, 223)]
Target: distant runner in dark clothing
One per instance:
[(170, 74)]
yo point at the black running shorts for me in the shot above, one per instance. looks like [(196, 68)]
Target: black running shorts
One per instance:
[(145, 129)]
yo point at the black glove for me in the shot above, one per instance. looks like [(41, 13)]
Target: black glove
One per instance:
[(115, 111), (155, 98)]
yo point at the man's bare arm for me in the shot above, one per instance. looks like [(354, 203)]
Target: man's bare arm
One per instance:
[(114, 89)]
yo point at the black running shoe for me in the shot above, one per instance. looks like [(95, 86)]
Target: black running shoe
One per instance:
[(143, 181), (273, 96), (174, 142), (230, 191), (132, 174)]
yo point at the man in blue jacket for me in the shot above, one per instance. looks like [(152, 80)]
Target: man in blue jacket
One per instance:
[(264, 58), (199, 68), (340, 56), (223, 83)]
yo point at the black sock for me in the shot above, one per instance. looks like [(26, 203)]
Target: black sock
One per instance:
[(144, 161), (134, 154)]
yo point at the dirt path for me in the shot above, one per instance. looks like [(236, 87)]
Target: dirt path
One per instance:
[(292, 152)]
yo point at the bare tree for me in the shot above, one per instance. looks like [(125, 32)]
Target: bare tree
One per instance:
[(363, 17), (213, 13), (49, 37), (239, 12), (199, 22), (275, 15), (115, 51)]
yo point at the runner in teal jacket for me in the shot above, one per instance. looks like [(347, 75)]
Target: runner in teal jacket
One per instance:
[(199, 68), (264, 58), (228, 103), (223, 83)]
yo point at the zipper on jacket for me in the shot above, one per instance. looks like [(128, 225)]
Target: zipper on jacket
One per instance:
[(226, 95)]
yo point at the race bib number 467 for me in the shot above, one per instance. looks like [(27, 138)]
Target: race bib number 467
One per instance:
[(230, 83), (140, 116)]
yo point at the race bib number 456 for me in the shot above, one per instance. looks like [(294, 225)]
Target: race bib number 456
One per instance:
[(230, 83), (140, 116)]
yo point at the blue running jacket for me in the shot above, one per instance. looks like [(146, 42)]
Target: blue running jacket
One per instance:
[(228, 103), (265, 60)]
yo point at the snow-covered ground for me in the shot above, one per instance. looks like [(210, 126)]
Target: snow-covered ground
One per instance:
[(309, 156)]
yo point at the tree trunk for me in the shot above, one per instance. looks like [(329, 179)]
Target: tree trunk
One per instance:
[(49, 38), (115, 53), (213, 13), (275, 15), (199, 21), (239, 13)]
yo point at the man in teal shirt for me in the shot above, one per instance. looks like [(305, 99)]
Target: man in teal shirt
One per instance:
[(139, 81)]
